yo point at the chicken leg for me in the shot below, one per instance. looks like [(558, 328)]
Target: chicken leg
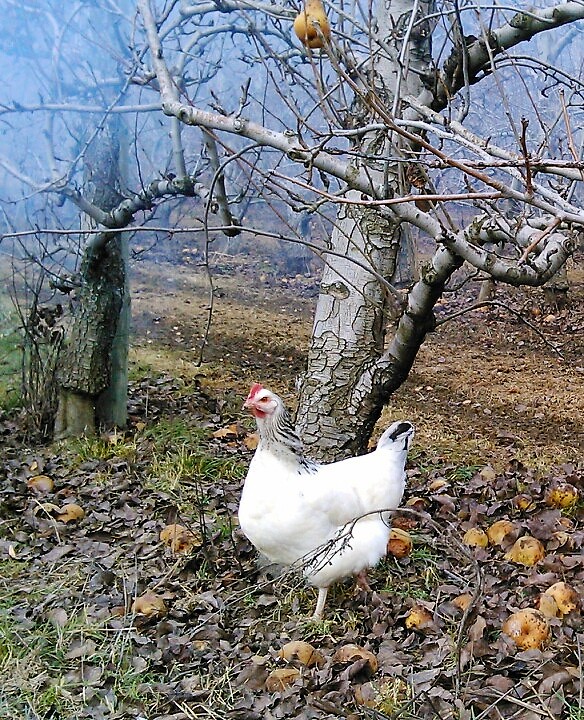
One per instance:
[(322, 593)]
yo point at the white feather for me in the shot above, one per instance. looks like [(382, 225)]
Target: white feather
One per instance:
[(330, 516)]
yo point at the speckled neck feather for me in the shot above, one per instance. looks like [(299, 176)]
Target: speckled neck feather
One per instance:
[(278, 434)]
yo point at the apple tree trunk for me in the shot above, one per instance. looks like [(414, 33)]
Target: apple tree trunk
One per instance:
[(351, 371), (93, 366)]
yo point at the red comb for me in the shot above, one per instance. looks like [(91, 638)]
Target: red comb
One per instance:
[(255, 388)]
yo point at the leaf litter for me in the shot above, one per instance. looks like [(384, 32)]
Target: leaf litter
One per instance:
[(101, 618), (196, 627)]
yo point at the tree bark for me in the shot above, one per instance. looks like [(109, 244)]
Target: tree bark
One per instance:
[(345, 386), (86, 361)]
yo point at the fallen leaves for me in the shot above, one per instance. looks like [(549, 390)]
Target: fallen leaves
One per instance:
[(237, 628)]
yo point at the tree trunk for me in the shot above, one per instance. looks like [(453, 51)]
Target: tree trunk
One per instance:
[(112, 404), (86, 361), (349, 375)]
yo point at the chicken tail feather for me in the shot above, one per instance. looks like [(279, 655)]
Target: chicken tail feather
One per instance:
[(400, 433)]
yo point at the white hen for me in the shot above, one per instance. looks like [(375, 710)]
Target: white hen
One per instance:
[(326, 516)]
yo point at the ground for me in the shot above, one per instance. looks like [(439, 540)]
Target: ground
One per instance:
[(101, 618)]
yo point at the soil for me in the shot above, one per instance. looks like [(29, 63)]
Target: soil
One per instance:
[(507, 375)]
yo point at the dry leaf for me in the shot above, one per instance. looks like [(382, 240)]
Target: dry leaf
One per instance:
[(384, 694), (488, 474), (477, 629), (230, 431), (462, 601), (58, 617), (251, 441), (437, 485)]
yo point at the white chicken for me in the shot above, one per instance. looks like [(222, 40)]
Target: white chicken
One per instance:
[(332, 519)]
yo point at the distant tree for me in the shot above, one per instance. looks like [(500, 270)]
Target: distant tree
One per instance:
[(76, 81)]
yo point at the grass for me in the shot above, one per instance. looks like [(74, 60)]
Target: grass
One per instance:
[(53, 663), (106, 447), (173, 470), (10, 357), (419, 578)]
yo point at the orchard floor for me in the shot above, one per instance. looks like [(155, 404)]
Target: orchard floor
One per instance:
[(100, 617), (483, 380)]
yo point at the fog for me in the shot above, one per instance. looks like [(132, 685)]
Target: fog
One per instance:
[(65, 66)]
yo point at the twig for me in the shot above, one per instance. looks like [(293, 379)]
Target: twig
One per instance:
[(539, 236), (543, 711), (523, 143)]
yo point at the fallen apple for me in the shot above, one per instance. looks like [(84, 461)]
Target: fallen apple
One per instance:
[(526, 551), (527, 628)]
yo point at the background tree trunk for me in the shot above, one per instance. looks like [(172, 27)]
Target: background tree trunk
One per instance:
[(86, 361)]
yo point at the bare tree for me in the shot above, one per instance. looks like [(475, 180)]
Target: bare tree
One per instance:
[(383, 126), (80, 127), (388, 114)]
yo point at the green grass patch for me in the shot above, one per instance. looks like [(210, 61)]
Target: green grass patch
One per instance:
[(55, 658), (10, 358), (95, 447), (167, 434), (421, 578)]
